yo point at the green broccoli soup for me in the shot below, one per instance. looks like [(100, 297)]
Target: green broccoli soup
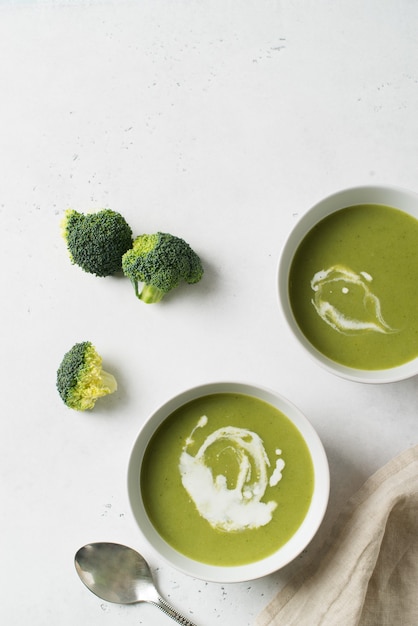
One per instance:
[(227, 479), (353, 287)]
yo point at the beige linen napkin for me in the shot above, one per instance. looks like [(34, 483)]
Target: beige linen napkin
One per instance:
[(366, 574)]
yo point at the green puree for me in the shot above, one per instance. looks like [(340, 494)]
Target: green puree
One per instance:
[(174, 513), (377, 245)]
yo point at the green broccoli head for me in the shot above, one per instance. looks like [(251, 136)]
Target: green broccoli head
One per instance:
[(97, 241), (81, 379), (160, 261)]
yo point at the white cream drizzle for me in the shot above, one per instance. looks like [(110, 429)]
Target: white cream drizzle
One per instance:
[(340, 277), (240, 507)]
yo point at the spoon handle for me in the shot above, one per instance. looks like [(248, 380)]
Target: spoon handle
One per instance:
[(175, 615)]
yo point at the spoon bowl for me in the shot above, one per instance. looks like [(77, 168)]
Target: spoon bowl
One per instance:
[(119, 574)]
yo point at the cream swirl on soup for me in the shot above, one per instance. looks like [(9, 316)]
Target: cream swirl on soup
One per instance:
[(328, 285), (230, 504)]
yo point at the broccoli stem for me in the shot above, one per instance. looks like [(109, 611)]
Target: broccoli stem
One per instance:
[(108, 382), (150, 294), (135, 286)]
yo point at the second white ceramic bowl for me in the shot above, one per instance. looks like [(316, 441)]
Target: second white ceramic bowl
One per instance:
[(402, 199)]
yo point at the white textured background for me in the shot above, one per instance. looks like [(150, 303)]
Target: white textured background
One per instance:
[(222, 122)]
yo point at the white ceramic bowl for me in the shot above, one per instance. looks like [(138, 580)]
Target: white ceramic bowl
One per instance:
[(289, 550), (402, 199)]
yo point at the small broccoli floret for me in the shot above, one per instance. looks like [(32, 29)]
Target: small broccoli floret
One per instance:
[(160, 261), (81, 379), (97, 241)]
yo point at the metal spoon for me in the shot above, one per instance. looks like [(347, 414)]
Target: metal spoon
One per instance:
[(119, 574)]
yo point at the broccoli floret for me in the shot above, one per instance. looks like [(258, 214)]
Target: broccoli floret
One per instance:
[(81, 379), (97, 241), (160, 261)]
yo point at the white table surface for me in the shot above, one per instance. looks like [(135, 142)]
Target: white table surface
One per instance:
[(221, 122)]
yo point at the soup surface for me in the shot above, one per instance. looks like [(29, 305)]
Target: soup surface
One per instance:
[(227, 479), (353, 287)]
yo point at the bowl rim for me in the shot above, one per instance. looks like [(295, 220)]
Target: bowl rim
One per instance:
[(387, 195), (285, 554)]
